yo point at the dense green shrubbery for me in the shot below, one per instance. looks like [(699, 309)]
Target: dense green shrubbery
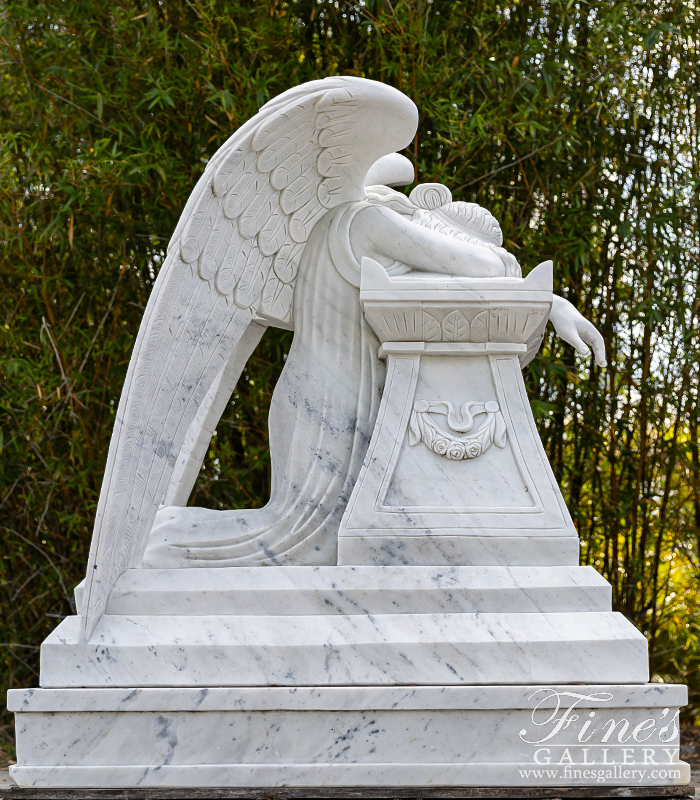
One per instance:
[(575, 123)]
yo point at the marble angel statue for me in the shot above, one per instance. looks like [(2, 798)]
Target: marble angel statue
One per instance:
[(273, 234)]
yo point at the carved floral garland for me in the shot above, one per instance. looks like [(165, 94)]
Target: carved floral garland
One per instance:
[(421, 428)]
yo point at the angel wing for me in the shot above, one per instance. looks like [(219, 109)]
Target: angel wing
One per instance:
[(232, 261)]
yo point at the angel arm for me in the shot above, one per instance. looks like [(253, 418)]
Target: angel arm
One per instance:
[(574, 328), (382, 234), (571, 326)]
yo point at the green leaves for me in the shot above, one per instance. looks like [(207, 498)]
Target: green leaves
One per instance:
[(160, 96)]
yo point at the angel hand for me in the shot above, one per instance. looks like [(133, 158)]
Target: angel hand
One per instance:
[(574, 328)]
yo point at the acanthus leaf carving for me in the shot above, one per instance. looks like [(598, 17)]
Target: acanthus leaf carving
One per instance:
[(455, 327), (432, 331)]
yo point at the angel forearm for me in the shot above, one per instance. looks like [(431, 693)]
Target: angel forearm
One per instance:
[(574, 328), (378, 232)]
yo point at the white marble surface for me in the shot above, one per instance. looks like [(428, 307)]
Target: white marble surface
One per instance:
[(468, 648), (444, 547), (335, 698), (297, 591), (352, 736), (403, 774), (455, 451)]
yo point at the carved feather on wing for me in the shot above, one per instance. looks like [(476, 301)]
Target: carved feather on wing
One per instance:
[(235, 253)]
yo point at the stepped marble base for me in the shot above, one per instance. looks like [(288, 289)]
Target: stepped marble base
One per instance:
[(349, 736), (338, 626), (341, 650)]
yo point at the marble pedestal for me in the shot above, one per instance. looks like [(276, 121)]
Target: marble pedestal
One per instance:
[(456, 472)]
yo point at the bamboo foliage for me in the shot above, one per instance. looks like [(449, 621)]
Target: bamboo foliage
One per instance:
[(575, 123)]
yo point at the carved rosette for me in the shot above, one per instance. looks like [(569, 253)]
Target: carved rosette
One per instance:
[(421, 428)]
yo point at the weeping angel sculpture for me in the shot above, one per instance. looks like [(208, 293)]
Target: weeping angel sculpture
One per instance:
[(274, 234)]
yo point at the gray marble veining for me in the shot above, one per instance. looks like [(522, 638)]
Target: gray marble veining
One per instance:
[(295, 591)]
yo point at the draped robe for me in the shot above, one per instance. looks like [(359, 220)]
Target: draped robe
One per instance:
[(322, 414)]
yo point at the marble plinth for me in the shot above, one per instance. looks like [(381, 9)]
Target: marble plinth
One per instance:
[(330, 626), (300, 591), (336, 650), (350, 736), (404, 547)]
